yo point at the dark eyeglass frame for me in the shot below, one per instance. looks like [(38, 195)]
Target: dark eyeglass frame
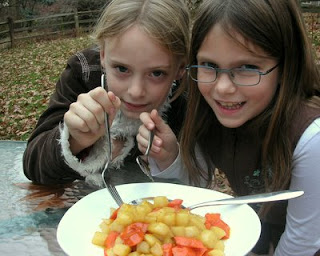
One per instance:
[(229, 71)]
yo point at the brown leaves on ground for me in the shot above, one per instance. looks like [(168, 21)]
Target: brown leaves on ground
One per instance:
[(29, 73), (312, 21)]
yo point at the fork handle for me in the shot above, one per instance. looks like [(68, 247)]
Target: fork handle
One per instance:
[(257, 198), (151, 135), (106, 119)]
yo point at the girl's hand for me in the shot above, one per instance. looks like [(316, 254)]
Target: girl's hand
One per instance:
[(164, 148), (85, 117)]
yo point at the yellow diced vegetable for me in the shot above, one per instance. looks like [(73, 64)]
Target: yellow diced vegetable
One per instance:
[(191, 231), (219, 245), (116, 226), (110, 252), (147, 204), (99, 238), (214, 252), (118, 240), (156, 249), (208, 238), (169, 219), (121, 249), (124, 218), (133, 254), (178, 231), (105, 227), (159, 228), (182, 218), (150, 218), (197, 221), (160, 201), (143, 247), (218, 231), (151, 239), (168, 240)]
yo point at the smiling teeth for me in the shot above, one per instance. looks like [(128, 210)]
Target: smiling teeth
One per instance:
[(231, 105)]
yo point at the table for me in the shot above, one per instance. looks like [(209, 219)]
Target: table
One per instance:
[(29, 213)]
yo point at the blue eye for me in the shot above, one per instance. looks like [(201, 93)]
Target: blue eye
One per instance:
[(122, 69), (209, 64), (157, 73), (247, 66)]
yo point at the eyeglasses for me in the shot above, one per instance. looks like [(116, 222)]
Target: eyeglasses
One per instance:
[(239, 76)]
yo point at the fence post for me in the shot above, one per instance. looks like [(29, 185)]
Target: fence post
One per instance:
[(312, 26), (76, 20), (11, 31)]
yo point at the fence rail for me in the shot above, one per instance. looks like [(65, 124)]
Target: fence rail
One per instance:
[(75, 23)]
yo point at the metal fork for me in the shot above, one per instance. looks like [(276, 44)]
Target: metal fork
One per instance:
[(106, 179), (143, 160)]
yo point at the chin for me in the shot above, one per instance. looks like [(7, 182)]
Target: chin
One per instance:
[(132, 115), (231, 123)]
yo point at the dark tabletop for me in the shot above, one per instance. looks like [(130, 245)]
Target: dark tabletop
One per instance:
[(29, 213)]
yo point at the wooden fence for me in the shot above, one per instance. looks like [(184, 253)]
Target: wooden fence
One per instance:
[(75, 23)]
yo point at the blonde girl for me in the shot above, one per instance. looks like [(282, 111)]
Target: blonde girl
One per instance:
[(142, 50)]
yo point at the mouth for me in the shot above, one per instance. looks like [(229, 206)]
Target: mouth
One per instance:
[(230, 105), (134, 106)]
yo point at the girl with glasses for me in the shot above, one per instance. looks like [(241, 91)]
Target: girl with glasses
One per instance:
[(253, 113), (142, 50)]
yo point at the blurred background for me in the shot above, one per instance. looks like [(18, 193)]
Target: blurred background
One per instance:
[(36, 39)]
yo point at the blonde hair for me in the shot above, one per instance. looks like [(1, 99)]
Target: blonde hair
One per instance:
[(166, 21)]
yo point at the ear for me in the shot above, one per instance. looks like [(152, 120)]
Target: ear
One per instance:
[(181, 70), (102, 57)]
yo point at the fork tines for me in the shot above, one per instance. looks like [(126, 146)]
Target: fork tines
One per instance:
[(108, 184), (114, 193)]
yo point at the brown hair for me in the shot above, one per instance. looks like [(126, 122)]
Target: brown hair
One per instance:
[(277, 27)]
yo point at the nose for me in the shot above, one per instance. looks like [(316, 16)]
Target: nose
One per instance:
[(224, 84), (136, 88)]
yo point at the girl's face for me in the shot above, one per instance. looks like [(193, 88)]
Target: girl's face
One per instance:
[(232, 104), (139, 71)]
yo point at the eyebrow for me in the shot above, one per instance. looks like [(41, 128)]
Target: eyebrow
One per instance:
[(252, 59), (116, 62), (162, 67)]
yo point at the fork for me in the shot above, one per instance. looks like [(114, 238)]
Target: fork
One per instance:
[(106, 180), (143, 160), (249, 199)]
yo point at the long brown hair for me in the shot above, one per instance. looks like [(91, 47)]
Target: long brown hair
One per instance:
[(277, 27)]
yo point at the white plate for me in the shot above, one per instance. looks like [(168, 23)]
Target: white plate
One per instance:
[(77, 226)]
